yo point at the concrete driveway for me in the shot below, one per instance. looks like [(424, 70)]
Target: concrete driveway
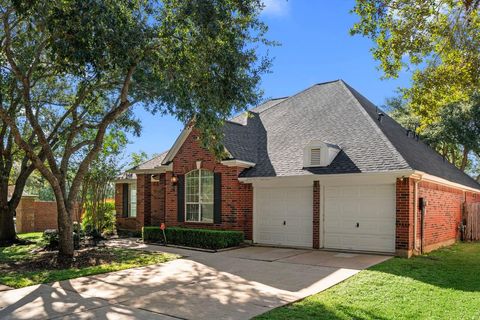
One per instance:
[(236, 284)]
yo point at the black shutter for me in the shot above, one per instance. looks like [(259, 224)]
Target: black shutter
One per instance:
[(125, 200), (181, 198), (217, 198)]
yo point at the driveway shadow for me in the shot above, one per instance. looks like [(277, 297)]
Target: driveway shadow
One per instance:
[(43, 302)]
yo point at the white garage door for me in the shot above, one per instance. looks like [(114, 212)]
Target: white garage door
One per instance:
[(283, 216), (360, 218)]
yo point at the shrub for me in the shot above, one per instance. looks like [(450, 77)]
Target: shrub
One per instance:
[(199, 238), (99, 221), (50, 236)]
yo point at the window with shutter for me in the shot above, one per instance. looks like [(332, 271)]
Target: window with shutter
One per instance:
[(199, 196)]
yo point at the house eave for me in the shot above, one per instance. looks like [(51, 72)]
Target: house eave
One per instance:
[(431, 178), (313, 177), (124, 180), (238, 163), (155, 170), (406, 173)]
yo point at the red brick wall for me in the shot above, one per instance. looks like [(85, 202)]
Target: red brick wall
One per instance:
[(443, 214), (316, 214), (472, 197), (442, 219), (404, 217), (237, 197), (119, 199), (38, 216), (144, 199)]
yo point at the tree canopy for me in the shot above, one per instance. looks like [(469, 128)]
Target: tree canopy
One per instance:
[(438, 40), (192, 59)]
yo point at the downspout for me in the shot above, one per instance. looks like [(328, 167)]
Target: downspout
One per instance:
[(415, 215), (422, 228)]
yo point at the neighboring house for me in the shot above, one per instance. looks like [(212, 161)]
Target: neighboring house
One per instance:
[(322, 169)]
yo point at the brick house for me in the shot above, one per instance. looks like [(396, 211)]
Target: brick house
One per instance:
[(322, 169)]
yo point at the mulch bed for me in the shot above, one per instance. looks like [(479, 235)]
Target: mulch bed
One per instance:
[(48, 260)]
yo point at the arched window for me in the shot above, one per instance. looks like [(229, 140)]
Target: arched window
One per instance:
[(199, 196)]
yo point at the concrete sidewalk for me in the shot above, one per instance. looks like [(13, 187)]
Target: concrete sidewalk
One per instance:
[(237, 284)]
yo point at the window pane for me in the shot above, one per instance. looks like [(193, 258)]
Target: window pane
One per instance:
[(192, 212), (207, 212), (191, 188), (207, 187), (133, 200)]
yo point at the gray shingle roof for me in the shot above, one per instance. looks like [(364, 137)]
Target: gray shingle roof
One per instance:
[(336, 113), (418, 154), (274, 134), (152, 163)]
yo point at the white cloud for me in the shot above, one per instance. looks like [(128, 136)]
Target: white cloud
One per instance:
[(275, 7)]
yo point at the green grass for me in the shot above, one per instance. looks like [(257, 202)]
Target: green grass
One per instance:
[(124, 259), (442, 285)]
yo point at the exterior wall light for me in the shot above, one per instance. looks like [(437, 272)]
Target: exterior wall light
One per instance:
[(174, 179)]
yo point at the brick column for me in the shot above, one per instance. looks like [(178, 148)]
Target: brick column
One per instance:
[(316, 214), (119, 199), (158, 200), (405, 199), (170, 201), (144, 199)]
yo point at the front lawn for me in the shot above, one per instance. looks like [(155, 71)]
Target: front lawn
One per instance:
[(442, 285), (25, 265)]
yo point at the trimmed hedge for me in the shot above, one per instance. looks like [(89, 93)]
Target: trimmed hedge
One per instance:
[(198, 238)]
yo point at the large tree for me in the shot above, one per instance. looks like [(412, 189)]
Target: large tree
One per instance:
[(438, 40), (455, 135), (15, 167), (193, 59)]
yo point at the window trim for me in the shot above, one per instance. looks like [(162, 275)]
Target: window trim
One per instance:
[(199, 203)]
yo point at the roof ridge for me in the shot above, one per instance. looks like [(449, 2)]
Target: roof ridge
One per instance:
[(347, 88), (297, 94), (273, 105), (150, 159)]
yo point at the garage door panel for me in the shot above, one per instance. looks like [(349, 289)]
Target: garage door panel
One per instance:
[(360, 242), (273, 206), (371, 206)]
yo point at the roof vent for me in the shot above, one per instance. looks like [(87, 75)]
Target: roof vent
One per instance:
[(380, 116), (319, 153), (315, 158)]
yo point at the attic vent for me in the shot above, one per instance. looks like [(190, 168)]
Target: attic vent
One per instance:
[(319, 154), (315, 158)]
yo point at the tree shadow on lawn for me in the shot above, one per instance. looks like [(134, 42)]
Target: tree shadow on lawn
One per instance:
[(455, 267)]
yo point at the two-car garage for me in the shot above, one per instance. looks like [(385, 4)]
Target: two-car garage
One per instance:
[(352, 217)]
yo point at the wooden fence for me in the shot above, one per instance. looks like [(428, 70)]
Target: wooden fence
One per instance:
[(471, 218)]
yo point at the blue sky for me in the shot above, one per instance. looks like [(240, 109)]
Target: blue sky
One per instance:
[(315, 47)]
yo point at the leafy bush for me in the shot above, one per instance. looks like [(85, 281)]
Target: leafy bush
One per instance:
[(199, 238), (99, 221), (50, 236)]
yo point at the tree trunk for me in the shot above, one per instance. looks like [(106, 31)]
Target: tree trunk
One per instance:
[(464, 159), (65, 230), (7, 227)]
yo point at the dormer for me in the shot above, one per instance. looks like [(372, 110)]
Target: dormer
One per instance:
[(319, 153)]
